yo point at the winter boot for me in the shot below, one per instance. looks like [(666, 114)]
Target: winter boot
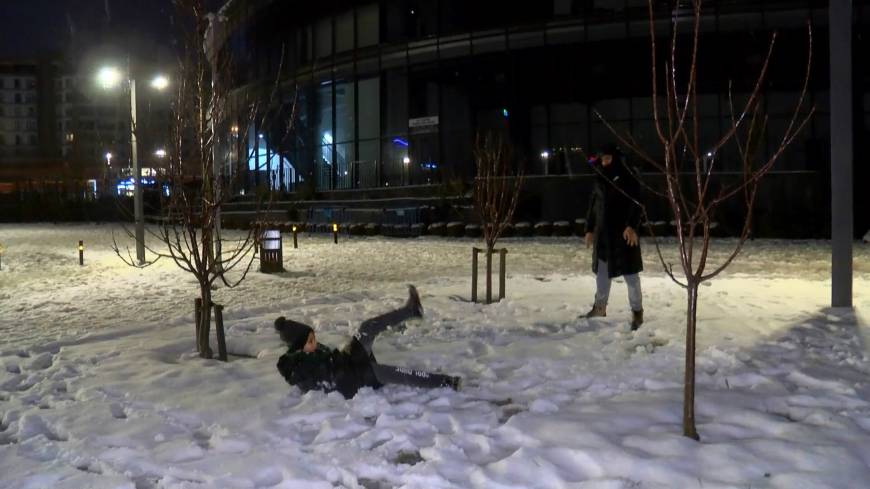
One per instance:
[(636, 319), (414, 302), (598, 310)]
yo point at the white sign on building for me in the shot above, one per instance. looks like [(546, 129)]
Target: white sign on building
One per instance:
[(423, 124)]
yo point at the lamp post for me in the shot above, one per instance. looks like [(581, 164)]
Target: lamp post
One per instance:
[(109, 78), (108, 179)]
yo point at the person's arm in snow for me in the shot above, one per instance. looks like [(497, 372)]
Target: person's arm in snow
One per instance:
[(308, 371)]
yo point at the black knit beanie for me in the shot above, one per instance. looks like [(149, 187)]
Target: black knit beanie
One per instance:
[(610, 149), (293, 333)]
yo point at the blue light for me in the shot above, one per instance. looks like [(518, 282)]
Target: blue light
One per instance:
[(400, 142), (504, 112)]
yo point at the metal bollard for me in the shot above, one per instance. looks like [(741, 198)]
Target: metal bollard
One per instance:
[(81, 253)]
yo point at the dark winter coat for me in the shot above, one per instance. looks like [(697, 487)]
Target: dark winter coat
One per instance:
[(346, 370), (610, 211)]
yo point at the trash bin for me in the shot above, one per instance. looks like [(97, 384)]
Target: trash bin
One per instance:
[(271, 252)]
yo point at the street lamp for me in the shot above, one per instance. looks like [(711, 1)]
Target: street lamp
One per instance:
[(160, 153), (110, 77), (108, 171), (160, 82)]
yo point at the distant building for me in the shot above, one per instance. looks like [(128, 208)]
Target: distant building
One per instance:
[(19, 119), (59, 132), (392, 94)]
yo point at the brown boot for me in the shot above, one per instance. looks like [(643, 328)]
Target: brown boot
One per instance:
[(636, 319), (597, 311)]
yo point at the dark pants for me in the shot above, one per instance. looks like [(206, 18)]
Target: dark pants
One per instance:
[(387, 374), (371, 328)]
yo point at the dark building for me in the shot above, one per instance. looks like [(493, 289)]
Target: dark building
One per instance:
[(392, 94)]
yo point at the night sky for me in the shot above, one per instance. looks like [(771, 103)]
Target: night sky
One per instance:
[(35, 28)]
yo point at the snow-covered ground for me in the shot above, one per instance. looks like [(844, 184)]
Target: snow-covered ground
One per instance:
[(100, 386)]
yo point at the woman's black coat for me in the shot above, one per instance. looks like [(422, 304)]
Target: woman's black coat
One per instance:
[(346, 370), (610, 211)]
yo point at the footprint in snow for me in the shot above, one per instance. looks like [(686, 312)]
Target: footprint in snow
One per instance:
[(41, 362), (118, 411), (202, 438), (90, 469)]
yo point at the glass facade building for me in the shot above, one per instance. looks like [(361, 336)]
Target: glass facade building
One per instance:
[(392, 94)]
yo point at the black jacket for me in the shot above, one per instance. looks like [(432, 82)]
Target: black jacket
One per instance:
[(610, 211), (346, 370)]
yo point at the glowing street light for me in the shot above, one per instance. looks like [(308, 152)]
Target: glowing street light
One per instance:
[(109, 77), (160, 82), (406, 160), (160, 153), (108, 159)]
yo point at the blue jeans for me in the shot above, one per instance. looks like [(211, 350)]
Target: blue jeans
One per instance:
[(602, 283)]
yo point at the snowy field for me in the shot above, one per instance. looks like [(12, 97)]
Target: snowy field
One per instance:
[(100, 385)]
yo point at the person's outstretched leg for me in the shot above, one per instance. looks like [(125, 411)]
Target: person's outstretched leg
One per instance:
[(388, 374), (602, 291), (371, 328), (635, 299)]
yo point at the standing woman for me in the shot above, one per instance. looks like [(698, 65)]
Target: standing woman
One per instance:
[(612, 221)]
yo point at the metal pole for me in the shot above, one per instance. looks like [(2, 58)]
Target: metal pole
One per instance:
[(217, 170), (840, 32), (81, 253), (137, 180)]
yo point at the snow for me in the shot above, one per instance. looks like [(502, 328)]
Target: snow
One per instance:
[(100, 385)]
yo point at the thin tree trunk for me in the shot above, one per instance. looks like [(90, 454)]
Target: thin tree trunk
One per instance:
[(197, 317), (489, 275), (474, 254), (689, 384), (205, 326)]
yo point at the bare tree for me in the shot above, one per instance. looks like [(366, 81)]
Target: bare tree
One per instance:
[(496, 193), (692, 200), (207, 116)]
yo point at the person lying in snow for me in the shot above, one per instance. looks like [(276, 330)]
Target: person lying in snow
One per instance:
[(312, 366)]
